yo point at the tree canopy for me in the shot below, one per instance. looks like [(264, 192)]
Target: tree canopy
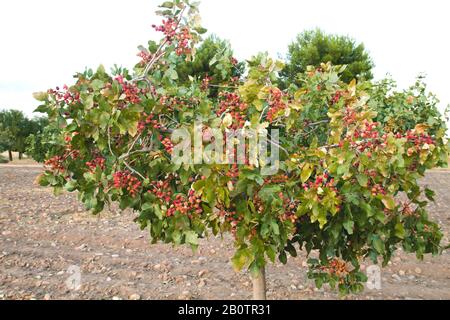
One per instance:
[(15, 127), (345, 186), (312, 47)]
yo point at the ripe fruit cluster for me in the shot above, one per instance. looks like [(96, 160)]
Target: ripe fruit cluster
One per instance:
[(125, 180), (290, 208), (130, 90), (337, 96), (65, 95), (161, 189), (419, 140), (149, 120), (145, 57), (168, 144), (231, 103), (336, 267), (276, 104), (205, 83), (189, 205), (183, 39), (168, 27), (378, 189), (181, 103), (230, 216), (55, 164), (321, 181), (96, 162)]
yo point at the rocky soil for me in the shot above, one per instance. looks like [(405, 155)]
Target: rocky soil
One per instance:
[(41, 236)]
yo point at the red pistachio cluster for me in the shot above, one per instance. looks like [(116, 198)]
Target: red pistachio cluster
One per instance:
[(290, 208), (275, 104), (185, 205), (177, 102), (189, 206), (168, 144), (65, 95), (125, 180), (336, 267), (130, 90), (349, 116), (278, 179), (161, 189), (205, 83), (183, 39), (378, 189), (419, 139), (145, 57), (231, 103), (230, 216), (69, 151), (55, 164), (337, 96), (149, 120), (96, 162), (168, 27), (321, 181)]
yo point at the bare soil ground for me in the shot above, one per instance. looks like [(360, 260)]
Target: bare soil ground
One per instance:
[(41, 236)]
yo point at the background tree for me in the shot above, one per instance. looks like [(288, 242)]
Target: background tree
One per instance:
[(213, 63), (15, 127), (313, 47), (39, 143)]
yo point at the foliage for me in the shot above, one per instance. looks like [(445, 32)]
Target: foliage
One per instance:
[(313, 47), (347, 185), (211, 64), (40, 143)]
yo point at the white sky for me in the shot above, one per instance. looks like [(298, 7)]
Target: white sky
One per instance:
[(42, 43)]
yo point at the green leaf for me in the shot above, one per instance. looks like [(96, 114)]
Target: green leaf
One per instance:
[(400, 231), (40, 96), (429, 194), (191, 237), (378, 244), (171, 74), (241, 259), (306, 172), (275, 227), (349, 225), (167, 4), (283, 257), (388, 202), (362, 180)]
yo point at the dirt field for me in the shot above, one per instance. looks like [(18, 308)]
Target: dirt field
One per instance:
[(41, 236)]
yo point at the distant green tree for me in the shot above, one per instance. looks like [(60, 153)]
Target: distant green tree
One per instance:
[(39, 143), (212, 59), (313, 47), (15, 127)]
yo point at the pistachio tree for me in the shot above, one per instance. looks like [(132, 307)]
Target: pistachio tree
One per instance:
[(346, 185)]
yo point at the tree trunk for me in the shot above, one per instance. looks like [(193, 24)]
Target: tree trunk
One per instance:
[(259, 285), (10, 155), (20, 155)]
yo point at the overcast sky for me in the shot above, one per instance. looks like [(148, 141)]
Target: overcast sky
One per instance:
[(44, 42)]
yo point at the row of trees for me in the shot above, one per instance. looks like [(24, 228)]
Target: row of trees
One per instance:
[(16, 130)]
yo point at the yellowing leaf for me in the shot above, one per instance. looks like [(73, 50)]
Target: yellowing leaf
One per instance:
[(388, 202)]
